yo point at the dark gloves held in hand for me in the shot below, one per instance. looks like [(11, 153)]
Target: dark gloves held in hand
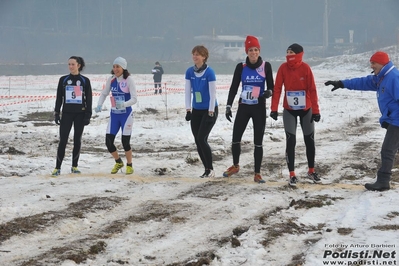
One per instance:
[(385, 125), (86, 121), (188, 116), (228, 113), (57, 118), (316, 117), (267, 94), (210, 119), (336, 83), (274, 115)]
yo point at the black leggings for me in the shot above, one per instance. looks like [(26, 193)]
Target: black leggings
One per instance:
[(110, 139), (67, 120), (244, 113), (201, 126), (290, 119)]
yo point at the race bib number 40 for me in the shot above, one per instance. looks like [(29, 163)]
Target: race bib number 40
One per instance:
[(296, 99)]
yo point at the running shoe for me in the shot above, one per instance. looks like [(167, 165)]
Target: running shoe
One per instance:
[(75, 170), (129, 170), (314, 177), (258, 179), (231, 170), (56, 172), (116, 168), (211, 174), (293, 181)]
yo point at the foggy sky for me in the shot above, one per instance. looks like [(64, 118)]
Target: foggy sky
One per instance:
[(45, 31)]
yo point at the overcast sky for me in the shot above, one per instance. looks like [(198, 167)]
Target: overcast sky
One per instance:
[(52, 30)]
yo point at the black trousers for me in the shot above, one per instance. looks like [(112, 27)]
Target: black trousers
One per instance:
[(67, 121), (201, 126), (246, 112)]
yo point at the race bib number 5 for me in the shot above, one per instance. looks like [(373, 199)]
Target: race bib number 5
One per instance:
[(296, 99)]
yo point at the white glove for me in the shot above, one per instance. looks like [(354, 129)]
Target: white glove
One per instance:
[(98, 109)]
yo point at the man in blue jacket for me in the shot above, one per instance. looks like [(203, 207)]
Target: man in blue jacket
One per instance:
[(385, 81)]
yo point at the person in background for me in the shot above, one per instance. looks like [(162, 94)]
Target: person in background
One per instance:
[(201, 104), (385, 82), (253, 75), (74, 95), (157, 72), (300, 100), (123, 96)]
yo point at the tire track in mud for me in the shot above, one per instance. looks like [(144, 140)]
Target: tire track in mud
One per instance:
[(184, 209)]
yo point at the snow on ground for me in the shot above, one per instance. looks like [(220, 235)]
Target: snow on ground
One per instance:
[(164, 214)]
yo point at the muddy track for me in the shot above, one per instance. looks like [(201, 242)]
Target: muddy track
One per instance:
[(276, 219), (171, 215)]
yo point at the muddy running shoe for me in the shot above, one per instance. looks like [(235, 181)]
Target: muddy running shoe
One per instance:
[(314, 177), (203, 175), (258, 179), (231, 170), (129, 170), (208, 174), (116, 168), (56, 172), (293, 181), (75, 170)]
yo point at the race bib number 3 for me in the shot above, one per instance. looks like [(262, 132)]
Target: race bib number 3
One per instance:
[(73, 94), (296, 99)]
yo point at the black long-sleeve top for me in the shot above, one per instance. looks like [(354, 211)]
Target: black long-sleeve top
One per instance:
[(235, 83), (87, 98)]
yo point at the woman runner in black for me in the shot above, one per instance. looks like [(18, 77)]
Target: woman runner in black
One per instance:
[(253, 74), (74, 94)]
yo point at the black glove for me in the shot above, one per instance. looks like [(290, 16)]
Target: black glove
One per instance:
[(210, 119), (228, 113), (385, 125), (86, 119), (267, 94), (188, 116), (57, 118), (336, 83), (315, 117), (274, 115)]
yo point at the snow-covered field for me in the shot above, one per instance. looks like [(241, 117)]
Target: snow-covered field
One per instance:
[(164, 214)]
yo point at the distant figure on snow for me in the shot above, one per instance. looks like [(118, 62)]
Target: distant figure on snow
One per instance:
[(157, 72)]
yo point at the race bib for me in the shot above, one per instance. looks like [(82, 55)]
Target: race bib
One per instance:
[(198, 97), (250, 94), (296, 99), (73, 94), (117, 101)]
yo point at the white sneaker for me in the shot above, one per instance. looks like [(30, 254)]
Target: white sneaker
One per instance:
[(211, 174)]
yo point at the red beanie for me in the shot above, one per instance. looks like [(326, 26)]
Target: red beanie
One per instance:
[(380, 58), (250, 42)]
